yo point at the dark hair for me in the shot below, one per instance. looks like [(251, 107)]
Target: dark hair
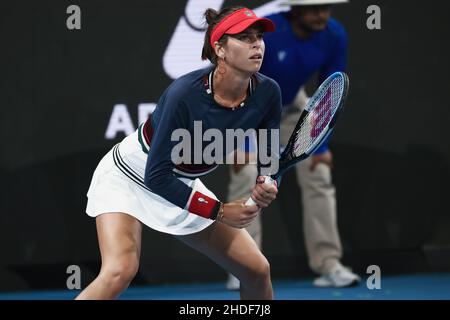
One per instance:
[(212, 18)]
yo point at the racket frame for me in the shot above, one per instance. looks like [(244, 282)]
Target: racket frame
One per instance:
[(287, 158)]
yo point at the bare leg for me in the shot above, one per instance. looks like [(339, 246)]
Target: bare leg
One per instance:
[(119, 237), (235, 250), (242, 181)]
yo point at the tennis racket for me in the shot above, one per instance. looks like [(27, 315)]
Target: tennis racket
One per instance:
[(316, 123)]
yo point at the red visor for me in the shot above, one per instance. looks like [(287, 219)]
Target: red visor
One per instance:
[(237, 22)]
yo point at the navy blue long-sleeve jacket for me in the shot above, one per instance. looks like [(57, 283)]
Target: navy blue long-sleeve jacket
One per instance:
[(189, 101)]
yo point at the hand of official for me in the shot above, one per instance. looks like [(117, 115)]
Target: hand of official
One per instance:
[(325, 158)]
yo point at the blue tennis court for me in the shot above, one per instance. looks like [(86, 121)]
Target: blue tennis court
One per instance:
[(431, 286)]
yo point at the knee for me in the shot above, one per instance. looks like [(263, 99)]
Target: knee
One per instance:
[(120, 273), (259, 272), (263, 269)]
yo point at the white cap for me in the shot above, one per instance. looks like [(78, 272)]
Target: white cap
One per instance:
[(310, 2)]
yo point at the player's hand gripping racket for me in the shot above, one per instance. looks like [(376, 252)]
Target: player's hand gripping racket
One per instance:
[(316, 123)]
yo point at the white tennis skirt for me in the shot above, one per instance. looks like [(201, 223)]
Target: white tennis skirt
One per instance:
[(118, 186)]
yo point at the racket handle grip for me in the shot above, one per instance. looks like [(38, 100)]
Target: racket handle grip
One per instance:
[(267, 180)]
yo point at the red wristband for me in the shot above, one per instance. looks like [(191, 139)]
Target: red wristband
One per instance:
[(202, 205)]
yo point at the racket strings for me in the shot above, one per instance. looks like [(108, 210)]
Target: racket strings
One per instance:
[(320, 114)]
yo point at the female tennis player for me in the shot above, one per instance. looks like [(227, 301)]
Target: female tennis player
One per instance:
[(139, 181)]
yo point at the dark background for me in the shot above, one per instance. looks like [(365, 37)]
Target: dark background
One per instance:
[(58, 88)]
